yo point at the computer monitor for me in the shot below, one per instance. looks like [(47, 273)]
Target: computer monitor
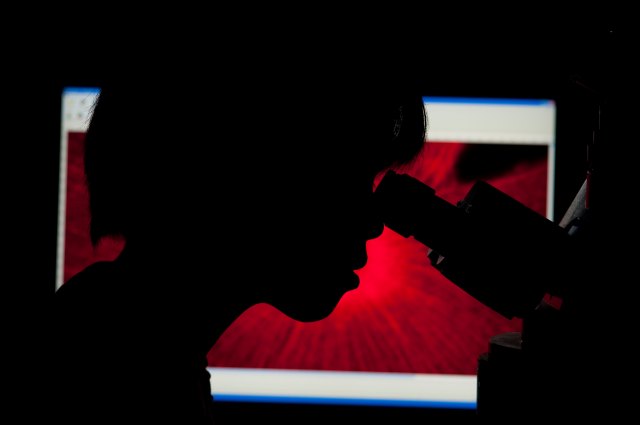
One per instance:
[(407, 337)]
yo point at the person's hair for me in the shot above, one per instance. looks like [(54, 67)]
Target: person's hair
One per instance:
[(141, 137)]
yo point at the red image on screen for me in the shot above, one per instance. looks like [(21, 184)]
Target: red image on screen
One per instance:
[(404, 317)]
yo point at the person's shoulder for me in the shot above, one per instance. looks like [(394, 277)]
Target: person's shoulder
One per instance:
[(91, 280)]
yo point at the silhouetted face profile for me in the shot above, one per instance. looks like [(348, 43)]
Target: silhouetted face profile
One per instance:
[(255, 192)]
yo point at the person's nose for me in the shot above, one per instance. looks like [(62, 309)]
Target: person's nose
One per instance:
[(375, 227)]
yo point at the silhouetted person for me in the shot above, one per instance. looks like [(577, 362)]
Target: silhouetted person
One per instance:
[(230, 190)]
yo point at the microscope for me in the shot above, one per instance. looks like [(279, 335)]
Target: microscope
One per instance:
[(520, 264), (567, 281), (514, 261)]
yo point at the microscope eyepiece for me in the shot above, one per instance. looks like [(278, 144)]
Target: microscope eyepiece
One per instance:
[(489, 244)]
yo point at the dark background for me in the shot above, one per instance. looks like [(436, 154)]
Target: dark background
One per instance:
[(514, 62)]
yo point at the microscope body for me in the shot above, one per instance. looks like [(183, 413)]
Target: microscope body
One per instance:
[(515, 261)]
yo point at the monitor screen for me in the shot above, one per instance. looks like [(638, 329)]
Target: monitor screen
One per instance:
[(407, 336)]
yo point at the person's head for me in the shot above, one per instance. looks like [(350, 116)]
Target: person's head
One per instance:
[(262, 185)]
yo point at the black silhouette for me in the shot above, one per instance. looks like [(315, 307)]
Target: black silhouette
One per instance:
[(226, 190)]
